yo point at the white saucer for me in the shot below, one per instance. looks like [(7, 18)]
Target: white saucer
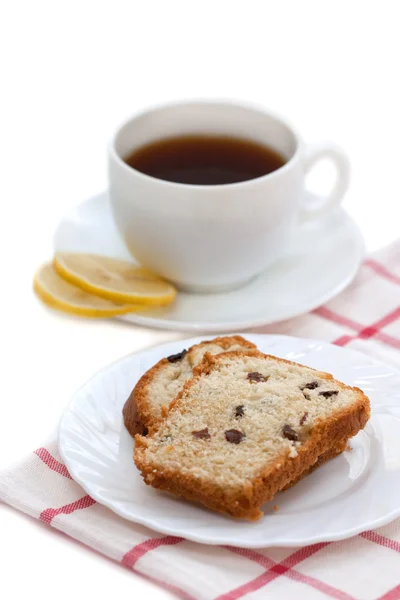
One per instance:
[(321, 261), (356, 491)]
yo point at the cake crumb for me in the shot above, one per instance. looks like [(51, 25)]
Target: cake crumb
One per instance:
[(201, 454), (348, 448)]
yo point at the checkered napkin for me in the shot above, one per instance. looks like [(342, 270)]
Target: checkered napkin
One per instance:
[(365, 317)]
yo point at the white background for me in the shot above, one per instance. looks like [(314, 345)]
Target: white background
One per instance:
[(70, 72)]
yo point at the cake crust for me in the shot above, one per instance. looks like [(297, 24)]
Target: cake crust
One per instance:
[(326, 439), (139, 412)]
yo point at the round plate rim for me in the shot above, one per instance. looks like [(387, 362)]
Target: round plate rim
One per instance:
[(372, 524), (239, 325), (213, 327)]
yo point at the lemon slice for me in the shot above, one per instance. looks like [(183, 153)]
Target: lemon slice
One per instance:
[(113, 279), (57, 293)]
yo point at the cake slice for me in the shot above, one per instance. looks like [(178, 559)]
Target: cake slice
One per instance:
[(246, 426), (161, 384)]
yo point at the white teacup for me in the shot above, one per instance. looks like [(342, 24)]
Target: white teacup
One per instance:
[(215, 237)]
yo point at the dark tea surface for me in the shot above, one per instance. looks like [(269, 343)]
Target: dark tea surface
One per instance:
[(205, 160)]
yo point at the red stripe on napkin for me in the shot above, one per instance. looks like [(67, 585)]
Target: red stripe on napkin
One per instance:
[(52, 463), (49, 513)]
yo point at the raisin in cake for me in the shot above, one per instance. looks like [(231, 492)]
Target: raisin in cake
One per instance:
[(246, 426), (161, 384)]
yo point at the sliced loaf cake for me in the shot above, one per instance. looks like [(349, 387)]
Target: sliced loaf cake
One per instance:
[(161, 384), (246, 426)]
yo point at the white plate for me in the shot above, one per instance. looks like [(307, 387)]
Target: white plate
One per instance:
[(356, 491), (322, 259)]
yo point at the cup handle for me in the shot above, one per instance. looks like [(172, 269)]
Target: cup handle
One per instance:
[(312, 205)]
